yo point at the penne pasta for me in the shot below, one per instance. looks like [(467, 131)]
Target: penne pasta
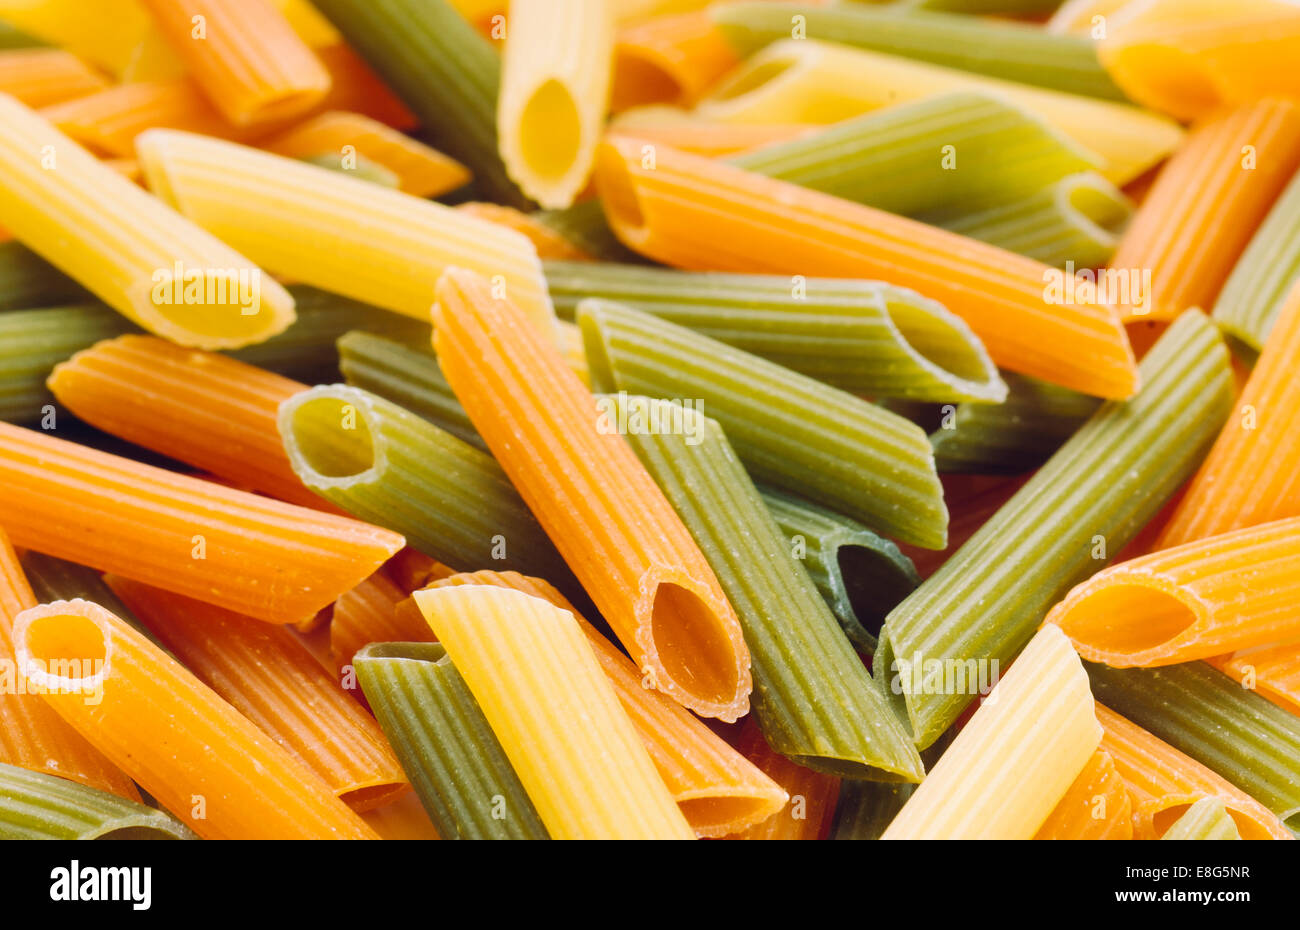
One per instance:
[(698, 214), (37, 806), (598, 504), (39, 77), (557, 717), (807, 81), (1193, 601), (1011, 765), (1255, 292), (862, 336), (1095, 807), (1207, 819), (555, 73), (789, 430), (266, 674), (202, 760), (1273, 671), (812, 794), (365, 615), (160, 271), (1075, 514), (245, 55), (1163, 782), (263, 558), (668, 59), (305, 221), (1238, 163)]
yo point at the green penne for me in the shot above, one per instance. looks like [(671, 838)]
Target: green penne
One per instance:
[(1197, 709), (443, 69), (1262, 277), (957, 152), (860, 575), (408, 376), (1076, 513), (862, 336), (815, 700), (1012, 51), (28, 281), (391, 468), (447, 749), (867, 808), (36, 806), (1074, 223), (32, 342), (1207, 819), (1016, 435), (790, 430)]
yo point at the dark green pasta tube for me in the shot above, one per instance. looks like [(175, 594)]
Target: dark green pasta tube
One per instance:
[(815, 700), (446, 747), (790, 430), (36, 806), (862, 336), (866, 809), (1067, 522)]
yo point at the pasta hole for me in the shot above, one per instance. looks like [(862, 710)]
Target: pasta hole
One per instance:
[(332, 437), (1128, 618), (872, 586), (68, 645), (550, 131), (693, 645), (710, 815)]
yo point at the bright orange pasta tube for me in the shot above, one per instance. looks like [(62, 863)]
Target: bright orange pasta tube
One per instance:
[(202, 759), (403, 819), (812, 794), (1237, 163), (669, 59), (1273, 671), (366, 614), (593, 497), (549, 244), (201, 408), (699, 214), (1186, 57), (1097, 806), (423, 171), (558, 718), (252, 555), (1252, 474), (245, 55), (1163, 782), (267, 675), (718, 789), (32, 735), (1193, 601), (43, 76)]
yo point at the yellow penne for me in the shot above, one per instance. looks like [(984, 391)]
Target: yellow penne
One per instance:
[(1010, 766), (104, 33), (557, 717), (554, 91), (335, 232), (804, 81), (133, 252)]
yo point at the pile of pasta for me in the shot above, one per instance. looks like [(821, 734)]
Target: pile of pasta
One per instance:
[(649, 419)]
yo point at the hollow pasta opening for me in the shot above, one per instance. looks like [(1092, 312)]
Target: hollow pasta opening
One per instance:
[(1128, 618), (550, 131), (330, 435), (693, 645)]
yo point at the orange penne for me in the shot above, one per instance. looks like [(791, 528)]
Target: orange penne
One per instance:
[(201, 408), (593, 497), (699, 214), (267, 675), (356, 88), (813, 795), (203, 760), (1273, 671), (549, 244), (32, 735), (1163, 782), (403, 819), (366, 614), (668, 59), (1237, 163), (712, 139), (411, 569), (245, 55), (718, 790), (1097, 806), (255, 556), (1193, 601), (42, 76), (1252, 475), (422, 171)]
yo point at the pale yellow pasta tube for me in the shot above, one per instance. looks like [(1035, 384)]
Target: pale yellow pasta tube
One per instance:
[(1009, 767), (338, 233), (554, 93), (804, 81), (133, 252), (557, 717)]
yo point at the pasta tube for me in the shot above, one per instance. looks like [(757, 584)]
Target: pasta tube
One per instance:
[(668, 59), (812, 794), (1207, 819), (39, 77), (36, 806), (1096, 806)]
